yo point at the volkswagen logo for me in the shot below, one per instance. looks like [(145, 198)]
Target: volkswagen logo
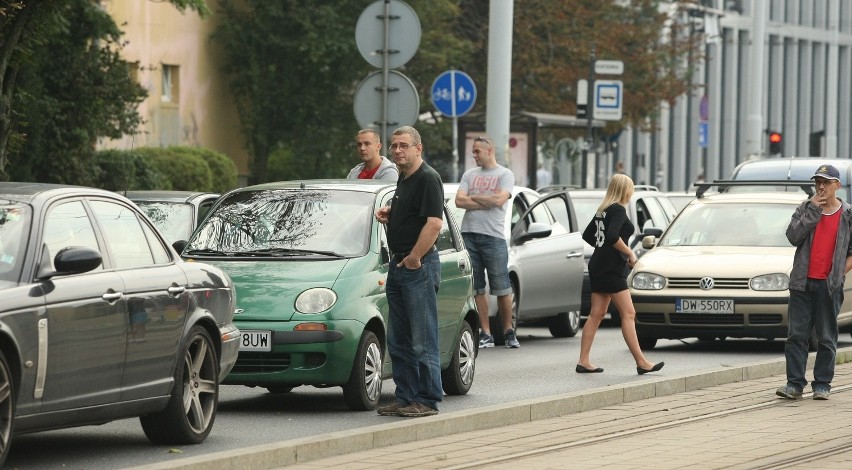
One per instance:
[(706, 283)]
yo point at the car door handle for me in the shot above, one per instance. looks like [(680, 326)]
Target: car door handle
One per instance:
[(111, 296), (574, 254), (176, 290), (463, 265)]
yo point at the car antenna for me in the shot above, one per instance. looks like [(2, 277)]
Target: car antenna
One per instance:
[(129, 156)]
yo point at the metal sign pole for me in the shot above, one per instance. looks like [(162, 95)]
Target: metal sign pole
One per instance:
[(385, 79), (455, 169)]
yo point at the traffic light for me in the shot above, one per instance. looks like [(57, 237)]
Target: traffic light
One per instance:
[(775, 140)]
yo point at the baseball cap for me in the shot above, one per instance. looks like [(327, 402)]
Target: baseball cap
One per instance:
[(828, 172)]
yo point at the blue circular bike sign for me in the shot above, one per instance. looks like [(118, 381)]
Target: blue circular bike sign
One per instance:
[(453, 93)]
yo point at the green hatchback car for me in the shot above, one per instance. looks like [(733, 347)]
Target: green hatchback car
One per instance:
[(309, 262)]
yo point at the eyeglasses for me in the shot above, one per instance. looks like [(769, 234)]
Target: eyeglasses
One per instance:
[(484, 140), (401, 146), (822, 182)]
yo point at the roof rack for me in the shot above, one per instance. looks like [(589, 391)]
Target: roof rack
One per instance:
[(645, 187), (806, 185)]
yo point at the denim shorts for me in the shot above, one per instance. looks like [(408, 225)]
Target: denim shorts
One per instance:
[(488, 254)]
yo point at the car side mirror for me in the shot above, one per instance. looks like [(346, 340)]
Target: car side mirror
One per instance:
[(535, 230), (72, 260), (179, 246), (653, 231), (649, 241)]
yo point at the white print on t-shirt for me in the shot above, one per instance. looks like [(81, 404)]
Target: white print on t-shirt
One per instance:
[(483, 184)]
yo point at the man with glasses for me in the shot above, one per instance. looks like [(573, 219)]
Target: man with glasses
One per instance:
[(484, 194), (373, 165), (414, 220), (820, 230)]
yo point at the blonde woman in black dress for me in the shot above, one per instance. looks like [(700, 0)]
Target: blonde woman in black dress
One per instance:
[(608, 232)]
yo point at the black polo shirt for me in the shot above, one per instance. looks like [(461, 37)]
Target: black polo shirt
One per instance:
[(417, 197)]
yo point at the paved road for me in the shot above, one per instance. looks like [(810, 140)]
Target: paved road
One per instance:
[(542, 367)]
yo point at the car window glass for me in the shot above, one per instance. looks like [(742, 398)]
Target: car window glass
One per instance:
[(517, 209), (173, 220), (15, 220), (655, 213), (669, 208), (123, 234), (642, 214), (586, 208), (160, 252), (559, 208), (203, 209), (68, 224), (445, 237)]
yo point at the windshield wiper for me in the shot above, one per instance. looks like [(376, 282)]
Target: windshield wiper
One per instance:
[(209, 252), (289, 252)]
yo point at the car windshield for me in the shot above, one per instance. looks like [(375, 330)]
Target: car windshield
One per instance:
[(173, 219), (734, 224), (283, 223), (14, 229)]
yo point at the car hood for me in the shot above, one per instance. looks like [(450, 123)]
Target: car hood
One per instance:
[(267, 290), (729, 261)]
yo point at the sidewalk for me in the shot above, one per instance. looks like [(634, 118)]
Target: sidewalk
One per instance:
[(727, 418)]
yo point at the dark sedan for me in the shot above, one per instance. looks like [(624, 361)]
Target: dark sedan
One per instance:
[(102, 320)]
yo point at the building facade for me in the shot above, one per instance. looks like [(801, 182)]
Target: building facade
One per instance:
[(189, 103), (797, 84)]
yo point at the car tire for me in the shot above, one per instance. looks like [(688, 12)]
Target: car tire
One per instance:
[(364, 388), (191, 410), (646, 342), (457, 378), (565, 325), (8, 390)]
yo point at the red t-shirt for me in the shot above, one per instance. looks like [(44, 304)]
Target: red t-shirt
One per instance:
[(368, 174), (822, 249)]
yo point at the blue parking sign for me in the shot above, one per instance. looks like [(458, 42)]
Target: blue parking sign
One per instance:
[(703, 131), (453, 93)]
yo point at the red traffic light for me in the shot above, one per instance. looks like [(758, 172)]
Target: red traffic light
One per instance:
[(774, 137)]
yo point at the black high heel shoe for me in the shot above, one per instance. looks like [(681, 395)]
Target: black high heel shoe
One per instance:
[(656, 367), (582, 370)]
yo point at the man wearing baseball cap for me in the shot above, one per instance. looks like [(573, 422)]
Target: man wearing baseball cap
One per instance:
[(821, 231)]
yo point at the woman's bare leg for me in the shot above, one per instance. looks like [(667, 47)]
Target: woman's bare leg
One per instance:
[(600, 302), (624, 304)]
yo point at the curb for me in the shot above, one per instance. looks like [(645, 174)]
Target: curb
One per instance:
[(297, 451)]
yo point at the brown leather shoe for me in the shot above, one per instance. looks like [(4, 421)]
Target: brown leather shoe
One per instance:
[(390, 410), (417, 410)]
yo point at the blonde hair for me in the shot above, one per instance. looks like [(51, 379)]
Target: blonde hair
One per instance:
[(619, 190)]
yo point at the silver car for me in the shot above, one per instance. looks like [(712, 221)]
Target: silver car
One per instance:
[(545, 261)]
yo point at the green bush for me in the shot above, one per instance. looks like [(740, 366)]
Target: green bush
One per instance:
[(223, 170), (171, 168), (120, 170)]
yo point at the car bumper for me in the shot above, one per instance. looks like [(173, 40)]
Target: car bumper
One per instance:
[(299, 357), (765, 317)]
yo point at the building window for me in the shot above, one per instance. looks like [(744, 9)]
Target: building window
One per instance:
[(171, 83)]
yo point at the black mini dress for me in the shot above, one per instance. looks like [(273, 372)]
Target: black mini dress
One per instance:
[(608, 266)]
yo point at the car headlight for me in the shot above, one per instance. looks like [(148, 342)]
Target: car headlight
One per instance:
[(315, 300), (648, 281), (777, 281)]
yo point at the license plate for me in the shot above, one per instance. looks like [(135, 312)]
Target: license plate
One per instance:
[(704, 305), (253, 340)]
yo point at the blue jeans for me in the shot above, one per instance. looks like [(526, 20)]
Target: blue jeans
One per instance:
[(413, 331), (813, 308), (488, 254)]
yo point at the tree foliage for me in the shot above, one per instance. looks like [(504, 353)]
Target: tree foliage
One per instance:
[(31, 35), (551, 52)]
